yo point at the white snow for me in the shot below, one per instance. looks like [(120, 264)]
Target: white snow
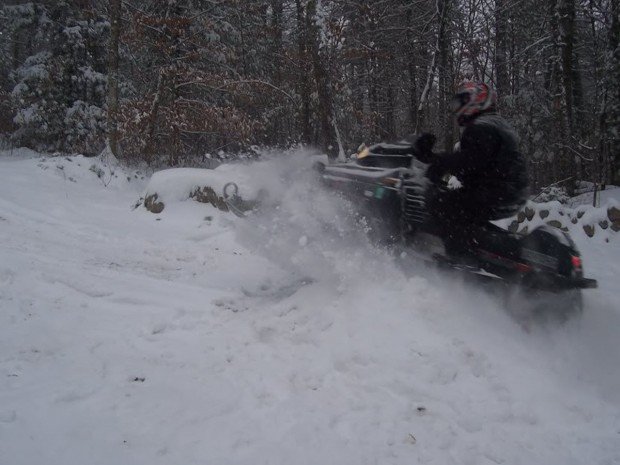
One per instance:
[(582, 214), (196, 337), (178, 183), (610, 194)]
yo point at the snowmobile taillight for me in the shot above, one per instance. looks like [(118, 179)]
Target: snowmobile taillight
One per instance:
[(576, 261), (523, 268)]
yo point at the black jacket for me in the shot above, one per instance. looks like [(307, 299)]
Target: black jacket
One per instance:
[(488, 164)]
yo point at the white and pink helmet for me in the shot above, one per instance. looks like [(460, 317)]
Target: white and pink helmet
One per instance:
[(473, 98)]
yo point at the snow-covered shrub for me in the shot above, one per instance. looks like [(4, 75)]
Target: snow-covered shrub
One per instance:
[(85, 125), (553, 193), (582, 187)]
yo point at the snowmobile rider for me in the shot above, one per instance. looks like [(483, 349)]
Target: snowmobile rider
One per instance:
[(487, 163)]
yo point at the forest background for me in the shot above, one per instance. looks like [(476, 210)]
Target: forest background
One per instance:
[(183, 82)]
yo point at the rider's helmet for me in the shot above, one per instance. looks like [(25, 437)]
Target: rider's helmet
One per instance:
[(472, 99)]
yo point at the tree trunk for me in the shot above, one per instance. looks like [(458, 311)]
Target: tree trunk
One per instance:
[(502, 81), (275, 71), (152, 118), (445, 80), (441, 6), (412, 71), (113, 60), (390, 124), (304, 86), (321, 78), (278, 35), (613, 89), (566, 12)]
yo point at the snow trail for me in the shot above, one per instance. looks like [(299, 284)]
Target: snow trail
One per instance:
[(197, 337)]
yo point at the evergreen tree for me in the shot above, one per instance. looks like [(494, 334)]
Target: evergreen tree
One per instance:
[(59, 91)]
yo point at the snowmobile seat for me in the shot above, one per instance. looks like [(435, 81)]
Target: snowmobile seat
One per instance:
[(492, 238)]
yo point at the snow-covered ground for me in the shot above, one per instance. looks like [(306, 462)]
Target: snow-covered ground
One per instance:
[(196, 337)]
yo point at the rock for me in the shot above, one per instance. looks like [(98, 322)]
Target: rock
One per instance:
[(574, 220), (543, 214), (614, 217), (588, 229), (555, 224), (207, 195), (513, 227), (529, 213), (152, 205), (580, 213), (603, 224), (521, 217), (524, 230), (233, 203)]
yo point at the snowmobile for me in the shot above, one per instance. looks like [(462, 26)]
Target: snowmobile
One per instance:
[(388, 183)]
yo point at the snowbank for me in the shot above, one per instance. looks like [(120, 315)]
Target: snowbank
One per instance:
[(249, 183), (586, 198), (285, 338), (20, 153), (177, 184), (79, 169), (204, 185), (602, 222)]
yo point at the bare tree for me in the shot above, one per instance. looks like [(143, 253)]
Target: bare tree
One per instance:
[(322, 81), (501, 47), (113, 62)]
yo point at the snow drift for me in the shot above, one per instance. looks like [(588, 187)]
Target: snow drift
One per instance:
[(284, 337)]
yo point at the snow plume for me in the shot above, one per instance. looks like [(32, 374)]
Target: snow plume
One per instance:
[(307, 229)]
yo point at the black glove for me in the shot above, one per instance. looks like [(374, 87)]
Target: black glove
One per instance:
[(424, 143)]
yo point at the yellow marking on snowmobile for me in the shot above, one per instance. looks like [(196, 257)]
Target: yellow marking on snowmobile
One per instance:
[(364, 153), (391, 181)]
